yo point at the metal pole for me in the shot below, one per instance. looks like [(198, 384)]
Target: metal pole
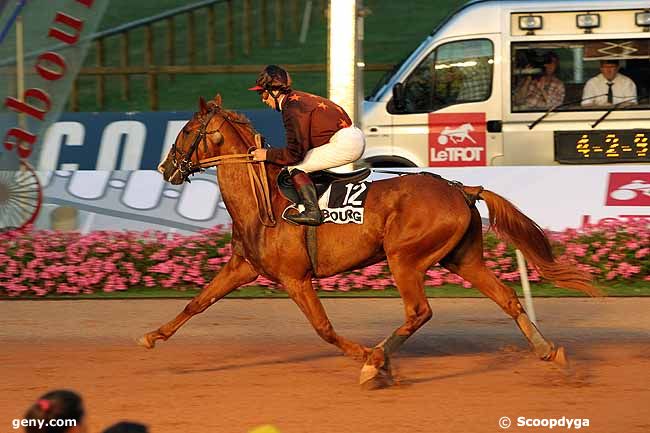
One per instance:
[(342, 58), (359, 65), (306, 18), (528, 297), (20, 69)]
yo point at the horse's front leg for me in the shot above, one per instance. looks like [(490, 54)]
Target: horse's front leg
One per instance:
[(235, 273), (303, 294)]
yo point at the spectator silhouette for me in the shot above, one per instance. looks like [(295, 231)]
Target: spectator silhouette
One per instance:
[(127, 427), (54, 408)]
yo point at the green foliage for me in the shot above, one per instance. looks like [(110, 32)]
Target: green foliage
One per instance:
[(392, 31)]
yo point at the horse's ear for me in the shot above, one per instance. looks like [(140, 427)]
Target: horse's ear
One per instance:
[(217, 99), (202, 105)]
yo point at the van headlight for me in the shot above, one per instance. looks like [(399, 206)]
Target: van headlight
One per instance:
[(530, 23), (588, 21), (643, 20)]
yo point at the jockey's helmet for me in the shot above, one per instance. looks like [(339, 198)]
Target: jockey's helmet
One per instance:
[(273, 77)]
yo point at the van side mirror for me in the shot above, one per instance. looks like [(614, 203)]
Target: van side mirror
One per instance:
[(398, 97)]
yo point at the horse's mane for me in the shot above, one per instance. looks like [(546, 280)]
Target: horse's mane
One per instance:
[(240, 122), (239, 119)]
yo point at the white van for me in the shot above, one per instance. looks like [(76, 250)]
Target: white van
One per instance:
[(508, 83)]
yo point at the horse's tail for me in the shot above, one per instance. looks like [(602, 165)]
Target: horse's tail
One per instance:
[(512, 225)]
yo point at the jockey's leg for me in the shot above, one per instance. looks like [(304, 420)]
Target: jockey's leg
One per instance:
[(235, 273), (307, 191), (345, 146), (304, 295)]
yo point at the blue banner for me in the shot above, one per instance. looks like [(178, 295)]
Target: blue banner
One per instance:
[(128, 141)]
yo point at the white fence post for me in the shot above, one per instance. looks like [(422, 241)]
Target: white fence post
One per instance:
[(523, 274)]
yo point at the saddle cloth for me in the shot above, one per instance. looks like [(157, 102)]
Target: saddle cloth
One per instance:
[(341, 195)]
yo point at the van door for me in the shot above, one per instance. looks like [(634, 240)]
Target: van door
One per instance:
[(450, 112)]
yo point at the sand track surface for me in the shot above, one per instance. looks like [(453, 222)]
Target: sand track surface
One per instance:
[(243, 363)]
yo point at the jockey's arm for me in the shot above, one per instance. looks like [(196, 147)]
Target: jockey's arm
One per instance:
[(297, 131)]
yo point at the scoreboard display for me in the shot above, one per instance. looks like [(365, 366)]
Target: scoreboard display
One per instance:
[(593, 147)]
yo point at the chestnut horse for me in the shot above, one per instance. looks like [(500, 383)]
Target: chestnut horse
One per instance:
[(414, 221)]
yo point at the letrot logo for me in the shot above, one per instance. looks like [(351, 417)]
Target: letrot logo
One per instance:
[(628, 189), (457, 139), (457, 135)]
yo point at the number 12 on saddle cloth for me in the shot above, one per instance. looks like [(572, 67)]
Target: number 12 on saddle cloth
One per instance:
[(343, 203)]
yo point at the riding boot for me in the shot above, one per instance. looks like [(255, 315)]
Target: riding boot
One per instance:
[(311, 216)]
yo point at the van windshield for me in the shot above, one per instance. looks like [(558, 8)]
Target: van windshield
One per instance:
[(580, 75), (385, 78)]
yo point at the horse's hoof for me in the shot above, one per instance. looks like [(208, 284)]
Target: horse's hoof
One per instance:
[(560, 358), (376, 372), (368, 372), (375, 378), (144, 341)]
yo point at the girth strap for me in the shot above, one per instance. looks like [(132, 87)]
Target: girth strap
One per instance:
[(312, 248)]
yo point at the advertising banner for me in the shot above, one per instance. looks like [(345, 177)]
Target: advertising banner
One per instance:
[(128, 141), (42, 47), (556, 198), (566, 196)]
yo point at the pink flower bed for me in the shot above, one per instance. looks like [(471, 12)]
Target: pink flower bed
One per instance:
[(42, 262)]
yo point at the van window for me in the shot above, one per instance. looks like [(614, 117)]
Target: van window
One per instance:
[(454, 73), (580, 75)]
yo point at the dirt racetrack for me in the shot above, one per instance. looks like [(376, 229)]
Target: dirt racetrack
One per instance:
[(244, 363)]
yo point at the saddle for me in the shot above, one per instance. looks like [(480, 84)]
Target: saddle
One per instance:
[(322, 180)]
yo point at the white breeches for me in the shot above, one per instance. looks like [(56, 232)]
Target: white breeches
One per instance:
[(345, 146)]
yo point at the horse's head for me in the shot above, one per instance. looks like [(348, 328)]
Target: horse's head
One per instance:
[(202, 137)]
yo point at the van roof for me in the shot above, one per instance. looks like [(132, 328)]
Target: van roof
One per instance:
[(543, 6)]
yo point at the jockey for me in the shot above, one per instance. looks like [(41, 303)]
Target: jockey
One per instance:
[(319, 133)]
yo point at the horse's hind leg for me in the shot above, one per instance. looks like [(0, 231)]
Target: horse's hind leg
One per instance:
[(410, 283), (234, 274), (467, 261), (304, 295)]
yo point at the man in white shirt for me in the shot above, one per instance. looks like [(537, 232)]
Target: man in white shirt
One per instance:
[(609, 87)]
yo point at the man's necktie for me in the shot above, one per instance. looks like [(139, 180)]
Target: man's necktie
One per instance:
[(610, 95)]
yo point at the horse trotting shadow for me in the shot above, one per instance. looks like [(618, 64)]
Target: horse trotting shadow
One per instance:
[(413, 221)]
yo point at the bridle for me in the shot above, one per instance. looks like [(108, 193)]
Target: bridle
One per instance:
[(258, 179), (185, 166)]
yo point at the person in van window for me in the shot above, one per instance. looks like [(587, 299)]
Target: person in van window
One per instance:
[(543, 92), (320, 135), (476, 80), (609, 87)]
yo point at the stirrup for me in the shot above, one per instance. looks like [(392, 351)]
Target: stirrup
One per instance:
[(306, 220), (288, 208)]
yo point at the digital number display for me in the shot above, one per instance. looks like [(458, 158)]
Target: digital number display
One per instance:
[(594, 147)]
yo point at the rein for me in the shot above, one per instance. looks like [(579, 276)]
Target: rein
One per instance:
[(258, 178)]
